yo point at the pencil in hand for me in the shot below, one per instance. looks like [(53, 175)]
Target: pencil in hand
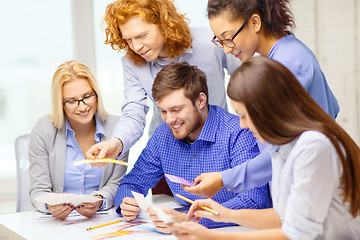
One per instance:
[(203, 207)]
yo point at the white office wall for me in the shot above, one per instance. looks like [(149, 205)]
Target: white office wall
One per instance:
[(331, 29)]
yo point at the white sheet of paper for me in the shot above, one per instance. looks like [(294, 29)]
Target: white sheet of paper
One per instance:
[(61, 198), (143, 204), (163, 216)]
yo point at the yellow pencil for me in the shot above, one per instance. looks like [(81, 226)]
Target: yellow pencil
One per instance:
[(103, 225), (203, 207)]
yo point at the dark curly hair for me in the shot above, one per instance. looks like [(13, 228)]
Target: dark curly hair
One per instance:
[(276, 16)]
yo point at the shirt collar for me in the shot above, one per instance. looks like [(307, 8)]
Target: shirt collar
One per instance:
[(166, 61), (208, 131), (99, 129), (282, 150)]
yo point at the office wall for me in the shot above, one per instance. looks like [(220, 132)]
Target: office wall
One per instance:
[(331, 29)]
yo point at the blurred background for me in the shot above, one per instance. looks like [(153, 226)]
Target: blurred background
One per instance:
[(39, 35)]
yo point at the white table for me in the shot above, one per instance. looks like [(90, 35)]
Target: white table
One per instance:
[(30, 226)]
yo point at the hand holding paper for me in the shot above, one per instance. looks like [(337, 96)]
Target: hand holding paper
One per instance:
[(130, 208), (140, 199), (144, 205), (180, 180), (61, 198)]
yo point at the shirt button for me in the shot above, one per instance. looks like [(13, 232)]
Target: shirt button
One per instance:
[(194, 155), (228, 189)]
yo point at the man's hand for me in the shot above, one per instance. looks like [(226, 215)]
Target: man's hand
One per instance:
[(206, 185), (129, 208), (60, 211), (107, 149)]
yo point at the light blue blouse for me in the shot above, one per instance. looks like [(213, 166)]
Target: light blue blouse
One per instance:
[(301, 61), (82, 179)]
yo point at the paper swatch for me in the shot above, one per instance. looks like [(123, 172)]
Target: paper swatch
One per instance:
[(77, 163), (180, 180), (129, 225), (163, 216), (111, 234), (143, 204), (61, 198)]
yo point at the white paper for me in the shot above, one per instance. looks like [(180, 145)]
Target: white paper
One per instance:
[(163, 216), (143, 204), (61, 198)]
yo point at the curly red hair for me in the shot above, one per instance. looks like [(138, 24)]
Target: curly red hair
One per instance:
[(173, 25)]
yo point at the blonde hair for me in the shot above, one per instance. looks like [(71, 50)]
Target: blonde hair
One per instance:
[(66, 72), (163, 13)]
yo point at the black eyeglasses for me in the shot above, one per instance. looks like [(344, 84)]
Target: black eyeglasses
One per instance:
[(228, 41), (86, 100)]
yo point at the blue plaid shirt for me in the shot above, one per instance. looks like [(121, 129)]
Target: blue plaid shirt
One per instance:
[(221, 145)]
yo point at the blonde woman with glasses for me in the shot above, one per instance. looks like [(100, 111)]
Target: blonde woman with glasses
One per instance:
[(78, 121)]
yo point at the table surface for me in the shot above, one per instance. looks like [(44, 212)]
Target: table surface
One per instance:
[(34, 225)]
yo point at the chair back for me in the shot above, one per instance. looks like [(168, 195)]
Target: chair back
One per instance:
[(23, 202)]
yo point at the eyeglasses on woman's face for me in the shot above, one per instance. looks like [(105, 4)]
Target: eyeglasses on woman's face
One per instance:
[(229, 42), (86, 100)]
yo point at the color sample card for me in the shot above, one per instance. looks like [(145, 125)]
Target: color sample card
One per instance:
[(111, 234), (108, 160), (128, 225), (143, 204), (180, 180)]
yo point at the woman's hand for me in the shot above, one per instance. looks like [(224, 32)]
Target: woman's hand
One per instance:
[(206, 185), (89, 209), (60, 211), (190, 231), (159, 224), (196, 211)]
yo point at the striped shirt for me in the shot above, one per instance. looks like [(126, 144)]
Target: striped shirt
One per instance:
[(221, 145)]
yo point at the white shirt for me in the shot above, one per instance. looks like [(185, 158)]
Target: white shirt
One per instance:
[(306, 190)]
